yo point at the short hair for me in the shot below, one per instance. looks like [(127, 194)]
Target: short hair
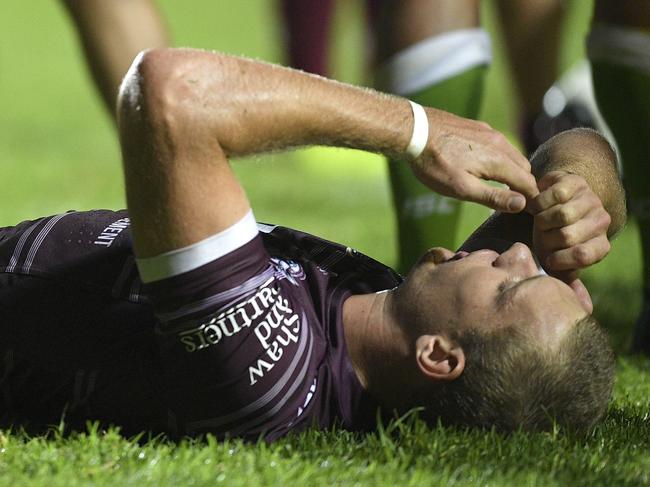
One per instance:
[(511, 383)]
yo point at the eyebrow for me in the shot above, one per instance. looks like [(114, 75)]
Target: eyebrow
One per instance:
[(506, 297)]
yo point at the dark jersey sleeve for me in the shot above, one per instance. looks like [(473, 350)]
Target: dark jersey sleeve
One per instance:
[(239, 335), (235, 338)]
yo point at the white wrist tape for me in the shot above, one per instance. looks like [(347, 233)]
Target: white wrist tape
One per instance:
[(420, 134)]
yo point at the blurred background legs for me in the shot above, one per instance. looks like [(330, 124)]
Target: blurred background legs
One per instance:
[(308, 28), (435, 53), (307, 32), (619, 50), (550, 100), (112, 33), (532, 32)]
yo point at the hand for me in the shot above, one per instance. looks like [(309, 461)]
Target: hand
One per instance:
[(460, 152), (569, 225)]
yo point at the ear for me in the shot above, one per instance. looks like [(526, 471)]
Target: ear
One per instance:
[(438, 358)]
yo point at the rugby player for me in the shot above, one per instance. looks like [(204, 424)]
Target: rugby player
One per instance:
[(436, 54), (184, 316), (619, 51)]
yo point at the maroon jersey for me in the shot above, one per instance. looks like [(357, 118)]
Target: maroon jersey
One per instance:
[(244, 342)]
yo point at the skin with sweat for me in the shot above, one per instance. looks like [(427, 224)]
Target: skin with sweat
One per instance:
[(455, 291)]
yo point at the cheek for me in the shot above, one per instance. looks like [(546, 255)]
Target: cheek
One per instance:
[(475, 298)]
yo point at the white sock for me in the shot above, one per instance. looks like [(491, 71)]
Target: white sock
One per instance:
[(433, 60), (623, 46)]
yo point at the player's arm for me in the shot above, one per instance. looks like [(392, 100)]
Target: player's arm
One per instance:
[(182, 113), (581, 206)]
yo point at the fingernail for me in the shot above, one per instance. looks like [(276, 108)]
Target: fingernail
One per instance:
[(516, 203)]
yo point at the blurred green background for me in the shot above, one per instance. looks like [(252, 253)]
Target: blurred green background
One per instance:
[(58, 149)]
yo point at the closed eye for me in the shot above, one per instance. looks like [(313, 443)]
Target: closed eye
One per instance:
[(502, 288), (507, 283), (508, 288)]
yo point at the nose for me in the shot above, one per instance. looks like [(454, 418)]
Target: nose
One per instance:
[(440, 254), (519, 259)]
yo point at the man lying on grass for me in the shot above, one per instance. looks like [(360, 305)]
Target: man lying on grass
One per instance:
[(222, 325)]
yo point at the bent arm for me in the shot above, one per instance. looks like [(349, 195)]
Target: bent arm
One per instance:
[(182, 113), (252, 107)]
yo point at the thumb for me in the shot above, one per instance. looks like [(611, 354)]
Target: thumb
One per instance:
[(550, 178), (500, 199)]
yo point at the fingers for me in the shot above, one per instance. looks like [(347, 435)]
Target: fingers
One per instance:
[(576, 209), (500, 199), (501, 144), (570, 227), (578, 256), (460, 151), (465, 186), (583, 230), (556, 188), (521, 185), (509, 166), (516, 177)]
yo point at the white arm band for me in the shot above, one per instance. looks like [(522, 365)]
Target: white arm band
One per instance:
[(174, 262), (420, 134)]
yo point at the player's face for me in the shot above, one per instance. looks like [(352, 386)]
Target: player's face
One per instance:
[(485, 289)]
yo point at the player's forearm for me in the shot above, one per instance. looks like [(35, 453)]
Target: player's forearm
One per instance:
[(252, 107), (580, 152), (589, 155), (189, 104)]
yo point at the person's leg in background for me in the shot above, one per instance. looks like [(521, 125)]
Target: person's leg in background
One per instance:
[(433, 52), (532, 33), (307, 31), (551, 101), (373, 15), (112, 33), (619, 50)]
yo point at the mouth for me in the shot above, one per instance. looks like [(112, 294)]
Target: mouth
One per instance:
[(458, 255), (438, 255), (483, 255)]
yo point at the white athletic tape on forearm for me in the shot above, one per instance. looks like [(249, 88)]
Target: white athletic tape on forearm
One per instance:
[(621, 46), (433, 60), (193, 256), (420, 135)]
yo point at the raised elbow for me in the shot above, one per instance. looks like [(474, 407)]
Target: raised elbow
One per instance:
[(154, 91)]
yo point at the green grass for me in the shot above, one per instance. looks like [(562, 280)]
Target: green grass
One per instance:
[(58, 151), (405, 453)]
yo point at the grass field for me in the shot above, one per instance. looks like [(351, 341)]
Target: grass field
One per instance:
[(58, 152)]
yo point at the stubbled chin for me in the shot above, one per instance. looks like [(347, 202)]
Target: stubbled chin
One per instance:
[(583, 295)]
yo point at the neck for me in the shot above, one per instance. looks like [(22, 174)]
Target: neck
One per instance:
[(379, 351)]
